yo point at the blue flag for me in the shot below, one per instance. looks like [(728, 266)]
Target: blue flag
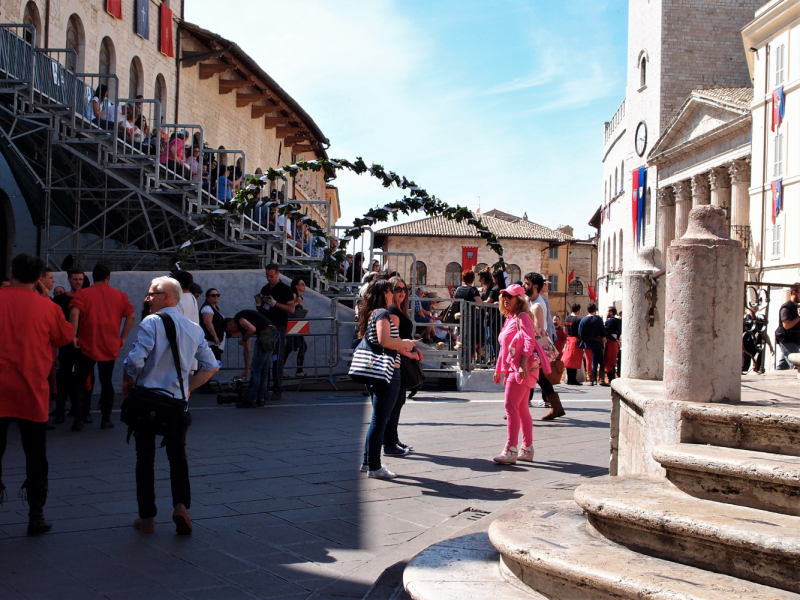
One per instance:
[(641, 204), (143, 18)]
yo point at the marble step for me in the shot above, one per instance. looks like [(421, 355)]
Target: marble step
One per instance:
[(750, 426), (463, 568), (742, 477), (648, 515), (550, 548)]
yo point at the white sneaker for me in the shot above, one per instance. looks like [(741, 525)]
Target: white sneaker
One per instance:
[(382, 473), (364, 468), (507, 457)]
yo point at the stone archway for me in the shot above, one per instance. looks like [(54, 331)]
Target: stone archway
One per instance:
[(8, 233)]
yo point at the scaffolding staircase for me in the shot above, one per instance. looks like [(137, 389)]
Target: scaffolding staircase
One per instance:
[(97, 194)]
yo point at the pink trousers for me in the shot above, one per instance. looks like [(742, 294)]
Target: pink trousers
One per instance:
[(518, 413)]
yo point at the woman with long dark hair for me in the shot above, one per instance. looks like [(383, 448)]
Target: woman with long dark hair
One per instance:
[(398, 313), (297, 342), (213, 322), (376, 324)]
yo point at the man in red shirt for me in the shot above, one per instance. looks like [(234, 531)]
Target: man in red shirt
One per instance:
[(96, 313), (26, 357)]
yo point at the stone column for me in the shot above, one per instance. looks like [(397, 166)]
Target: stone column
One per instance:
[(700, 195), (721, 192), (683, 204), (703, 350), (740, 201), (666, 218), (643, 347)]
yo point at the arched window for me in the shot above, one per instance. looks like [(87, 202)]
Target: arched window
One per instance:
[(31, 17), (107, 65), (616, 181), (622, 176), (613, 265), (452, 275), (620, 248), (643, 72), (135, 81), (74, 42), (422, 273), (160, 94), (514, 273), (480, 267), (575, 288)]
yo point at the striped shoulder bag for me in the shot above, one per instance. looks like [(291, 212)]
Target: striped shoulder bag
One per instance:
[(371, 365)]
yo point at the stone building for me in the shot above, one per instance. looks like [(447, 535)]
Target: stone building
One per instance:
[(205, 82), (774, 251), (442, 248), (574, 257), (674, 48)]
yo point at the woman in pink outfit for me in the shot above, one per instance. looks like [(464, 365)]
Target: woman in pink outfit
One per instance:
[(519, 360)]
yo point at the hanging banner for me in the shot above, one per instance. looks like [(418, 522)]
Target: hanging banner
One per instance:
[(777, 198), (469, 258), (778, 107), (143, 19), (167, 46), (114, 8), (641, 204), (635, 203)]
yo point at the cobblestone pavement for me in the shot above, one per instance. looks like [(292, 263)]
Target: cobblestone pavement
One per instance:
[(279, 507)]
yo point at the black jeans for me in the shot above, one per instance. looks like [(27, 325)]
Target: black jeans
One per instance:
[(383, 398), (66, 361), (36, 468), (544, 385), (84, 366), (178, 469), (390, 435)]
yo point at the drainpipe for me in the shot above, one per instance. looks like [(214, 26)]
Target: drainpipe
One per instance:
[(47, 24), (178, 65), (764, 169)]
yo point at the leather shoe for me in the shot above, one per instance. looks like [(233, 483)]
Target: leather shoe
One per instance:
[(59, 419), (180, 516), (145, 525), (77, 424), (38, 527), (87, 418), (106, 423)]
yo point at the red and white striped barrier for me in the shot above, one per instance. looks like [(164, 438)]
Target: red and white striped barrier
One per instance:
[(297, 327)]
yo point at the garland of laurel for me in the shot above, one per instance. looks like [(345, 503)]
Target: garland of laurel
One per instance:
[(247, 198)]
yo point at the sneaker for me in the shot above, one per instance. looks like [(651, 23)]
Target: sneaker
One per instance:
[(409, 447), (180, 516), (145, 525), (508, 456), (382, 473), (106, 423), (364, 468), (396, 451), (275, 394), (526, 453)]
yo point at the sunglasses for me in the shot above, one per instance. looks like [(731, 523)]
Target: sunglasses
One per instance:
[(213, 295), (400, 289)]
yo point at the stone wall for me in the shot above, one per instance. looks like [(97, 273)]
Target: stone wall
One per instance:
[(438, 252)]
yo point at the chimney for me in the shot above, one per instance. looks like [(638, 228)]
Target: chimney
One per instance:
[(524, 216), (566, 230)]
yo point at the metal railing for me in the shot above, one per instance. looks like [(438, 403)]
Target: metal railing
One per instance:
[(55, 83), (758, 296), (16, 56), (364, 246), (135, 137)]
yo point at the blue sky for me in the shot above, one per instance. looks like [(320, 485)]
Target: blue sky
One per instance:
[(502, 99)]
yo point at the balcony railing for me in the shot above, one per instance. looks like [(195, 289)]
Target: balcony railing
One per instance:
[(612, 125)]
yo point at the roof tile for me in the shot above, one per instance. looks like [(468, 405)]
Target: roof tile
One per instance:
[(502, 228)]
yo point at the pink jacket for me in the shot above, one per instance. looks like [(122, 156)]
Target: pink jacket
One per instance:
[(516, 343)]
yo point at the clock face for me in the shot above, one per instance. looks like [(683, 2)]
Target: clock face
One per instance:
[(641, 138)]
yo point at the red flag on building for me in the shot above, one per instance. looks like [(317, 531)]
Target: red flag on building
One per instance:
[(167, 47), (571, 276), (592, 293), (469, 258), (778, 107), (114, 8)]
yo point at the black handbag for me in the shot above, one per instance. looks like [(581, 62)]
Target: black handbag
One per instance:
[(411, 374), (449, 314), (154, 408)]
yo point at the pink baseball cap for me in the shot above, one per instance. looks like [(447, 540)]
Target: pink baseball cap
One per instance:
[(513, 290)]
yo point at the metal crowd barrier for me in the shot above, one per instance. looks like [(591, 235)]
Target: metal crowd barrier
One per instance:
[(16, 56), (141, 141), (55, 83)]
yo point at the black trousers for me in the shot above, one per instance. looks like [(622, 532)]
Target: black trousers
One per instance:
[(84, 367), (145, 469), (36, 468), (545, 385), (66, 362)]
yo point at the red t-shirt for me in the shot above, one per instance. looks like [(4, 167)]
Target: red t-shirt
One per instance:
[(33, 327), (102, 310)]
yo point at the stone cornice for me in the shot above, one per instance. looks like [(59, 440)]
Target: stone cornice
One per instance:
[(672, 155)]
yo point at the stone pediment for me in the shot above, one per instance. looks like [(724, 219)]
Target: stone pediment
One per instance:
[(703, 116)]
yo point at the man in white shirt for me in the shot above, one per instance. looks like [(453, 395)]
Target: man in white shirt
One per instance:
[(150, 364)]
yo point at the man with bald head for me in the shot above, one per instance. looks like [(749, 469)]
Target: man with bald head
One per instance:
[(150, 364)]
